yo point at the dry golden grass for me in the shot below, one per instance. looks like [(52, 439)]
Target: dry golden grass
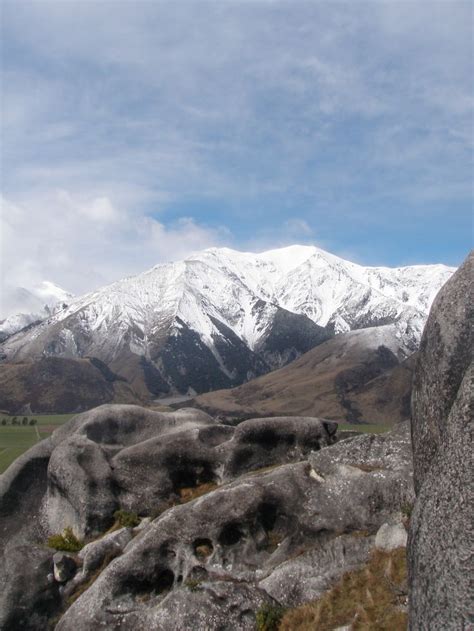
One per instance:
[(308, 387), (368, 599), (191, 493)]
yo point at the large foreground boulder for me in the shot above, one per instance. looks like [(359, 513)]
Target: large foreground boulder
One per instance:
[(268, 513), (440, 541), (279, 536), (120, 457)]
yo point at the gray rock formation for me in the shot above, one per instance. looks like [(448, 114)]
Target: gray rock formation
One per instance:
[(440, 541), (308, 575), (391, 536), (285, 533), (286, 512), (64, 567)]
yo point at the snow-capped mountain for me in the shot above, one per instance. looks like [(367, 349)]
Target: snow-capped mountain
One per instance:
[(21, 306), (221, 317)]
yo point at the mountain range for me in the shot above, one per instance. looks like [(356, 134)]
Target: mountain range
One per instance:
[(220, 317)]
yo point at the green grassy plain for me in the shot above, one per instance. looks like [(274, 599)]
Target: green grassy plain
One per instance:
[(16, 439)]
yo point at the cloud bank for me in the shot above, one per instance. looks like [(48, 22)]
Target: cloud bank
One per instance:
[(136, 132)]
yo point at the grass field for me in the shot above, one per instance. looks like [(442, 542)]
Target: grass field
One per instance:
[(15, 439)]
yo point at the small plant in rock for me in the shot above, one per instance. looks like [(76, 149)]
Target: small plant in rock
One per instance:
[(66, 542), (126, 519), (407, 510), (269, 616), (192, 584)]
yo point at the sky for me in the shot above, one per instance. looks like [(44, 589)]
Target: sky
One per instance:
[(135, 133)]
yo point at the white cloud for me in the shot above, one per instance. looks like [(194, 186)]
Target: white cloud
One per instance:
[(286, 115), (81, 246)]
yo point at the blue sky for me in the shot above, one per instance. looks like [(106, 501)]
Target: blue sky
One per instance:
[(137, 132)]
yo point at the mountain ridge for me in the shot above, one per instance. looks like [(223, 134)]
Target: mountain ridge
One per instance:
[(213, 319)]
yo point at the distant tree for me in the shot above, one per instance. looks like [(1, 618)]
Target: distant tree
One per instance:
[(24, 421), (4, 421), (14, 420), (33, 421)]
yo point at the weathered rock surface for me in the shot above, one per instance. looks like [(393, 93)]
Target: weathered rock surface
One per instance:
[(96, 555), (440, 540), (391, 536), (286, 512), (28, 599), (143, 462), (309, 574), (64, 567), (260, 530)]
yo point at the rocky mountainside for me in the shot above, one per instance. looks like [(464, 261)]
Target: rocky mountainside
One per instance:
[(235, 522), (359, 376), (441, 564), (221, 317)]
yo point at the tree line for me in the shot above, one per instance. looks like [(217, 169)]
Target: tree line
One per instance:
[(16, 420)]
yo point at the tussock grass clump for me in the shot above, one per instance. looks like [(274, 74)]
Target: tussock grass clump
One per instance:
[(268, 617), (126, 519), (65, 542), (368, 599)]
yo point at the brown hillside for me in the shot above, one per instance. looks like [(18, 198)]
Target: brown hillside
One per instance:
[(355, 377), (58, 385)]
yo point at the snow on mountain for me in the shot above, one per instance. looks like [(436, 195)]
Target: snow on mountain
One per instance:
[(22, 306), (221, 317)]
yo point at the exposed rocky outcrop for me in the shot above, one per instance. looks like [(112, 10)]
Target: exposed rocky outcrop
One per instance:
[(440, 542), (287, 511)]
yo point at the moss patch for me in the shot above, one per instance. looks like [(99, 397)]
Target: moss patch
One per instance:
[(126, 519)]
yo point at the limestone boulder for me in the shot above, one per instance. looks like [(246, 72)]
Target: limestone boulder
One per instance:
[(440, 538), (248, 533)]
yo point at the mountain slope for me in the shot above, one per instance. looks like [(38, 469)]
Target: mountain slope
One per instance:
[(222, 317), (55, 384), (359, 376)]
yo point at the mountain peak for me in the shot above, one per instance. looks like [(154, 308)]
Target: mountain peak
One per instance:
[(241, 313)]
